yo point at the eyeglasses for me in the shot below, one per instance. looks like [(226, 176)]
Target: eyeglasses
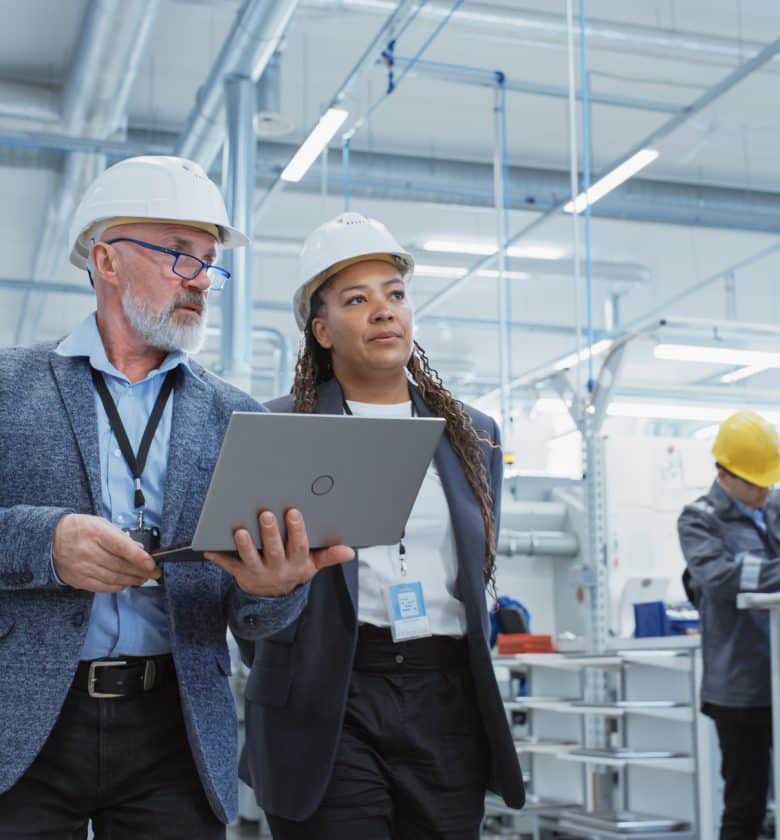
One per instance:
[(185, 265)]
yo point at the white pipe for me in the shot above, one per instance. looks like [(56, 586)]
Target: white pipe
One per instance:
[(108, 57), (537, 544), (506, 22), (29, 102), (255, 36)]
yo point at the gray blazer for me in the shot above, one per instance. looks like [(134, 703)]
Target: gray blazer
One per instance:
[(714, 533), (297, 690), (49, 467)]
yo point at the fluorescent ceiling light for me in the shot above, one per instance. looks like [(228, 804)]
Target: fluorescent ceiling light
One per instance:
[(645, 409), (743, 373), (454, 271), (681, 411), (509, 275), (310, 149), (485, 247), (537, 252), (575, 358), (481, 247), (717, 355), (446, 271), (643, 158)]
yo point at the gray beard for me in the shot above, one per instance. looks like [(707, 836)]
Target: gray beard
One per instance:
[(159, 329)]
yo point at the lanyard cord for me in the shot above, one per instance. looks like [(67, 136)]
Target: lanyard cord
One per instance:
[(136, 462), (401, 546)]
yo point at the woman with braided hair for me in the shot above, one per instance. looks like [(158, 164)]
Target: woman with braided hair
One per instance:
[(355, 730)]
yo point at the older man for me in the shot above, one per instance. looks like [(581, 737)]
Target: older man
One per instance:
[(114, 695)]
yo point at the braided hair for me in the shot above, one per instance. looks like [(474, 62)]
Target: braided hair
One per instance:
[(314, 366)]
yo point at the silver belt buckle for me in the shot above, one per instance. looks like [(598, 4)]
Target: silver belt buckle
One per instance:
[(150, 672), (92, 678)]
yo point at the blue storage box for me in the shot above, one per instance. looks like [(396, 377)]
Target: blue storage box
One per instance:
[(652, 619)]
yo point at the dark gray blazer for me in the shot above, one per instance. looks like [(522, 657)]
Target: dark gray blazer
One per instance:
[(49, 467), (297, 689)]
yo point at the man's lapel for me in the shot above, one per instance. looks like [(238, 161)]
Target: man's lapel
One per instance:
[(188, 448), (78, 396)]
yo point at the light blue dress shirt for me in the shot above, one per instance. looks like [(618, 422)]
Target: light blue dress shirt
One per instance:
[(132, 622), (758, 515)]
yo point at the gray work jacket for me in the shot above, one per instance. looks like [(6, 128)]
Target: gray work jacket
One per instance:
[(727, 553)]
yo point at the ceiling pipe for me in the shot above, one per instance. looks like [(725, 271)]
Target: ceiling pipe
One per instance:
[(108, 57), (23, 100), (251, 44), (397, 177), (100, 22), (386, 176), (466, 75), (506, 22), (401, 15), (614, 271), (711, 95)]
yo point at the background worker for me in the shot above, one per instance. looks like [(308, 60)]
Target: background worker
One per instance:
[(114, 696), (350, 734), (731, 542)]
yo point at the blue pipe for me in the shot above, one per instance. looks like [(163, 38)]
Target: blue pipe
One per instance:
[(586, 153), (504, 170), (442, 23)]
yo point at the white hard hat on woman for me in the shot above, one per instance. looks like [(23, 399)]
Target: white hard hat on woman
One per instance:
[(349, 238)]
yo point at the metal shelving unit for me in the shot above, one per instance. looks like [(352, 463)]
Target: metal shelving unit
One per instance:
[(551, 729)]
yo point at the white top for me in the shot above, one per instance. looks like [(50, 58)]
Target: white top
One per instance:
[(431, 556)]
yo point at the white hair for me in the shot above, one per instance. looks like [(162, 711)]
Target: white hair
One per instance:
[(159, 329)]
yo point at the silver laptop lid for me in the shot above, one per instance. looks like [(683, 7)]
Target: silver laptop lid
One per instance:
[(354, 479)]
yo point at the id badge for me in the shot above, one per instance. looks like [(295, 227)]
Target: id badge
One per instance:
[(408, 615), (149, 539)]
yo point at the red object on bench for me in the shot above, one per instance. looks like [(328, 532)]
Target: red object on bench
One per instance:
[(509, 643)]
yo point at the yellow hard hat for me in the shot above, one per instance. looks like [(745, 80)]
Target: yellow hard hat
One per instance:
[(748, 446)]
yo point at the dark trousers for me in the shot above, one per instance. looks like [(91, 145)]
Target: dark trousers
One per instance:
[(412, 761), (745, 737), (125, 763)]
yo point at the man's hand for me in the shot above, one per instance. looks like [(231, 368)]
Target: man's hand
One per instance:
[(277, 571), (90, 553)]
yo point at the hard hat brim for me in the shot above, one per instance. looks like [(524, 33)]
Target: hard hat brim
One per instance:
[(764, 479), (230, 237), (303, 295)]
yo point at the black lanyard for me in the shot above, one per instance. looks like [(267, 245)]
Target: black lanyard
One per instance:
[(136, 463)]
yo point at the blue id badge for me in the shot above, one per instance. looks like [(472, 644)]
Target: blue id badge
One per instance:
[(408, 616)]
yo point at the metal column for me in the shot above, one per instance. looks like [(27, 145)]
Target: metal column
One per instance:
[(239, 184), (344, 172), (502, 230)]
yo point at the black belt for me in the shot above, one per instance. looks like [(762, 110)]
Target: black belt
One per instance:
[(112, 678)]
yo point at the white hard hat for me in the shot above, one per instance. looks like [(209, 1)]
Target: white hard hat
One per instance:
[(347, 239), (150, 189)]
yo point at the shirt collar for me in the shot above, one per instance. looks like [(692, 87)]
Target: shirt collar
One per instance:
[(752, 513), (85, 341)]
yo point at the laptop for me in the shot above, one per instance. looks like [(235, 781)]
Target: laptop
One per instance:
[(354, 479)]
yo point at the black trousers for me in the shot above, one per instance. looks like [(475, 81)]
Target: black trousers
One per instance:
[(123, 763), (745, 737), (412, 762)]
